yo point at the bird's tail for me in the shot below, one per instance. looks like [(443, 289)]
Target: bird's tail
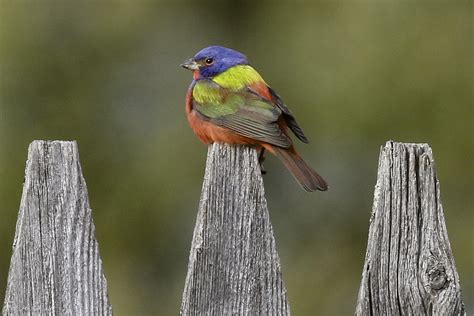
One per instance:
[(309, 179)]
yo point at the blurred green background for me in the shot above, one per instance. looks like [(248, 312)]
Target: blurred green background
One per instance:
[(354, 73)]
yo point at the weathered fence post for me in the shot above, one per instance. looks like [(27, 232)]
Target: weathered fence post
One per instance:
[(234, 266), (55, 267), (409, 267)]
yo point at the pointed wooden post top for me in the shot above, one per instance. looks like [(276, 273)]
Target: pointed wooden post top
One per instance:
[(234, 268), (409, 266), (55, 268)]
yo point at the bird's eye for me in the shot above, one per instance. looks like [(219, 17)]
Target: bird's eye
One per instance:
[(209, 61)]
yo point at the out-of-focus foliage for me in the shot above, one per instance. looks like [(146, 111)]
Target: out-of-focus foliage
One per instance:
[(355, 74)]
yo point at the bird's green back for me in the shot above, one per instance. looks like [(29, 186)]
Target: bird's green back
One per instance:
[(228, 101), (238, 77), (226, 93)]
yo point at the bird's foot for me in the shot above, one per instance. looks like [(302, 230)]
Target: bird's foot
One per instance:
[(261, 159)]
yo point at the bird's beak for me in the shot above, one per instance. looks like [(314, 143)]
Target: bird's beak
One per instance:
[(190, 64)]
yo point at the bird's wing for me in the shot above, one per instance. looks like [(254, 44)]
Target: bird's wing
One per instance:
[(288, 116), (240, 111)]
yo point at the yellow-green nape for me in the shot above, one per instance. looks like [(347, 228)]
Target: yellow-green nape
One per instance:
[(238, 77)]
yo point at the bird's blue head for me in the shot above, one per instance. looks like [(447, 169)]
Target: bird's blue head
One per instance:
[(214, 60)]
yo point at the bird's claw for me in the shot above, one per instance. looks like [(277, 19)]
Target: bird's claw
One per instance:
[(261, 159)]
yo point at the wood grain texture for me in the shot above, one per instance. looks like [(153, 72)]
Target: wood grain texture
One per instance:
[(55, 267), (234, 268), (409, 266)]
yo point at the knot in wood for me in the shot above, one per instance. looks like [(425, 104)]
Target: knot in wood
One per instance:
[(437, 277)]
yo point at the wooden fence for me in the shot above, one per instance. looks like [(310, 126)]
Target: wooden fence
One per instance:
[(234, 266)]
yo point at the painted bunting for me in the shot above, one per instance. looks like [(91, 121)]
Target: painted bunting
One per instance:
[(229, 102)]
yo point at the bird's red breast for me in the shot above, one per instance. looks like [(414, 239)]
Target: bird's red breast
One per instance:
[(208, 132)]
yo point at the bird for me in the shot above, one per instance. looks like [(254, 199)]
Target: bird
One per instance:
[(229, 102)]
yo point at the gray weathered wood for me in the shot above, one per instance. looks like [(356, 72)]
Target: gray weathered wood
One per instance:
[(409, 267), (234, 268), (55, 267)]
